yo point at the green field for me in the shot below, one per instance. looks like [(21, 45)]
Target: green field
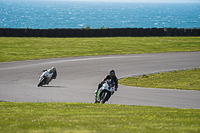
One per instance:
[(17, 49), (183, 80), (104, 118)]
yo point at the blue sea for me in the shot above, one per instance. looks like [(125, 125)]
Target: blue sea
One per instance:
[(65, 14)]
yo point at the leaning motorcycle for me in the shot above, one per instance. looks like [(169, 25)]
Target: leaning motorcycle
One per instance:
[(104, 92), (45, 78)]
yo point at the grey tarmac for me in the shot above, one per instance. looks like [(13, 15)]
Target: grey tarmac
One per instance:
[(78, 78)]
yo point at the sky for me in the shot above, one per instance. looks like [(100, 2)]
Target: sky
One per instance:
[(141, 1)]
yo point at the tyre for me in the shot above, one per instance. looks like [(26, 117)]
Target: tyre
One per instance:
[(41, 82), (95, 100), (105, 97)]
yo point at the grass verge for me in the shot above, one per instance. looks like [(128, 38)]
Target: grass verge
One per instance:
[(17, 49), (82, 117), (184, 80)]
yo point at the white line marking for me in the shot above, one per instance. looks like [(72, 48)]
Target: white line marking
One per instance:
[(64, 61)]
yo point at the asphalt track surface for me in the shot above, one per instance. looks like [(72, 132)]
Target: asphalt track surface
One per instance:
[(78, 78)]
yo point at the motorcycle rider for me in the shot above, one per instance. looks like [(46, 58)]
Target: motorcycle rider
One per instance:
[(52, 70), (113, 78)]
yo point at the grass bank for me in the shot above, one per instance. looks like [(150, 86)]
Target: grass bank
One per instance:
[(82, 117), (17, 49), (184, 80)]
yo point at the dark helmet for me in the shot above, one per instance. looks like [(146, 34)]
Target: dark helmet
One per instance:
[(112, 72)]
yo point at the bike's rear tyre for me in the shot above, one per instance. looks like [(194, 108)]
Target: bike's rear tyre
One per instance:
[(40, 84), (105, 97)]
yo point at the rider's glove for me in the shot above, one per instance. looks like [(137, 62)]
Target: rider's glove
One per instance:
[(102, 82)]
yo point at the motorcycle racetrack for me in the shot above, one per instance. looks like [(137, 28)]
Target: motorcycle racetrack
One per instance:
[(78, 78)]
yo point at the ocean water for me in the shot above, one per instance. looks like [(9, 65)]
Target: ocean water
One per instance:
[(65, 14)]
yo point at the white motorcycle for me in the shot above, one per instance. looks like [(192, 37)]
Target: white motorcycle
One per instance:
[(45, 78), (104, 92)]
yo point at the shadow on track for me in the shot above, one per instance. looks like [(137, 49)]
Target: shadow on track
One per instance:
[(52, 86)]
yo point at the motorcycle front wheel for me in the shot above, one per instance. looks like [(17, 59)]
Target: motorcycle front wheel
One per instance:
[(105, 97), (41, 82)]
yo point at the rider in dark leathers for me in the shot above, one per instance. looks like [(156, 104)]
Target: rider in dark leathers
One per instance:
[(113, 78)]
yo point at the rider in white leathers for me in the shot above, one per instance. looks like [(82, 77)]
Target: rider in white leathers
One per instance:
[(52, 70)]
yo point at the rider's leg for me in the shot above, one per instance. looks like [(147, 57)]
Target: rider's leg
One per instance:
[(49, 81)]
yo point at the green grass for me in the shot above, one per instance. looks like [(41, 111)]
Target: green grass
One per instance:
[(82, 117), (17, 49), (184, 80)]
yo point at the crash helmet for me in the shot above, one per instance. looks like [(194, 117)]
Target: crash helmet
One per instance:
[(52, 70), (112, 72)]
